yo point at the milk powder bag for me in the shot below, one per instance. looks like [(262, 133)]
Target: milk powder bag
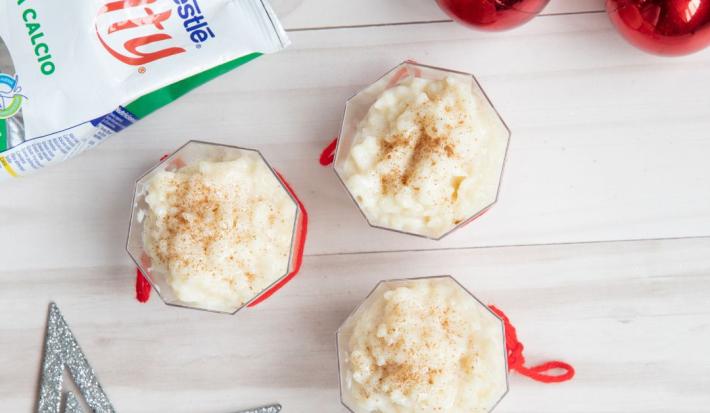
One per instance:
[(73, 73)]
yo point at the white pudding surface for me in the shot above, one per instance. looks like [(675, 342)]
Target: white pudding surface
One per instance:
[(426, 157), (427, 346), (221, 231)]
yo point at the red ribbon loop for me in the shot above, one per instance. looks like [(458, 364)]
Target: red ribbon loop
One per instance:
[(327, 156), (516, 359), (298, 251)]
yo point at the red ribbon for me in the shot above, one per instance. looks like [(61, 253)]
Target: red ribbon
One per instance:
[(328, 154), (143, 287), (516, 360), (298, 251)]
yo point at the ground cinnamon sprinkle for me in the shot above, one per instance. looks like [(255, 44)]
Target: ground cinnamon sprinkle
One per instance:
[(409, 375), (390, 182), (195, 208), (422, 347), (425, 144), (221, 231), (419, 143)]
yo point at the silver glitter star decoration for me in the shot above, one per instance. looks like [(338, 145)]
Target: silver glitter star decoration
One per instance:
[(61, 350), (72, 405)]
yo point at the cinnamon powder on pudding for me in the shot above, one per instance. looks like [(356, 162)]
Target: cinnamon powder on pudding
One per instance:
[(426, 143), (220, 231), (426, 156), (424, 346)]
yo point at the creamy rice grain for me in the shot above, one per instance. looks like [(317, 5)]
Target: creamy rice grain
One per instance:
[(220, 230), (425, 347), (426, 157)]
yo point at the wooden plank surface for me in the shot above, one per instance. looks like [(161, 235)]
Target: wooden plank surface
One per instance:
[(305, 14), (609, 145), (631, 316)]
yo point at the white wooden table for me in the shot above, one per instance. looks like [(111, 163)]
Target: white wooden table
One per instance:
[(599, 249)]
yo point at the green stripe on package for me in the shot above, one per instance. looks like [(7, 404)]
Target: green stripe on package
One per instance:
[(64, 91)]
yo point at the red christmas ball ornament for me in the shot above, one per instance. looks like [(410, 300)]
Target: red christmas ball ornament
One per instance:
[(664, 27), (492, 15)]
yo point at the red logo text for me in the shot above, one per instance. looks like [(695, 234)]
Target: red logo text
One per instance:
[(132, 32)]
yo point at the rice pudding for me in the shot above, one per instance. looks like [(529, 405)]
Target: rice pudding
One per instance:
[(426, 156), (221, 231), (420, 346)]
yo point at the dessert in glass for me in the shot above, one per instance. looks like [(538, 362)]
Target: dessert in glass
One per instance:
[(422, 345), (421, 150), (213, 227)]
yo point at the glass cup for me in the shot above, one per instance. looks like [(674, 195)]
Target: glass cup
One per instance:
[(357, 107), (192, 152), (497, 339)]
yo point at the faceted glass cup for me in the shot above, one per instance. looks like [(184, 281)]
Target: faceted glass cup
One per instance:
[(190, 153), (345, 333), (357, 107)]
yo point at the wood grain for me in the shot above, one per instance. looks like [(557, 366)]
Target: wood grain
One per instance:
[(631, 316), (305, 14), (608, 144)]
